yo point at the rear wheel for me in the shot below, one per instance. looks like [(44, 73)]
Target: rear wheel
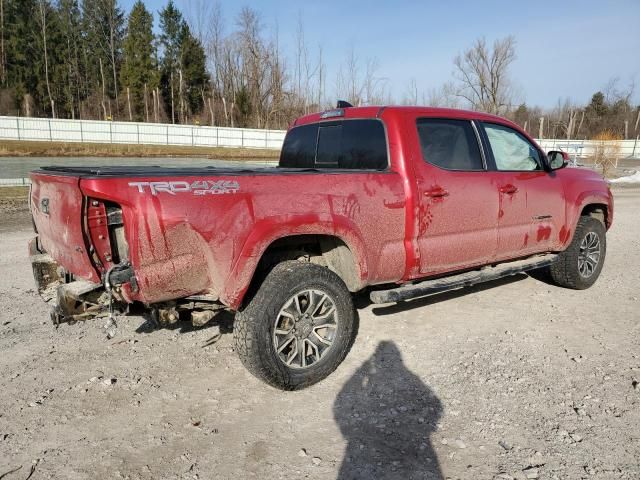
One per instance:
[(579, 266), (298, 327)]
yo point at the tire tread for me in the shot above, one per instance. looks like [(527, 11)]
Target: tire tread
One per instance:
[(564, 271), (251, 343)]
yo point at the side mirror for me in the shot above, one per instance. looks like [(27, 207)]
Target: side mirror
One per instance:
[(558, 159)]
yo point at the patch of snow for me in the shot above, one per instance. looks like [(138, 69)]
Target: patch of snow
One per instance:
[(635, 178)]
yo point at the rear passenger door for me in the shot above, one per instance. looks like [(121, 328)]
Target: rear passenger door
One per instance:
[(458, 203)]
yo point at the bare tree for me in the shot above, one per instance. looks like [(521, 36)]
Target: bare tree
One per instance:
[(348, 81), (112, 51), (482, 75), (411, 95), (375, 87), (104, 95), (614, 94), (2, 53), (212, 39), (321, 77), (198, 14), (361, 87), (129, 104), (42, 11), (443, 96)]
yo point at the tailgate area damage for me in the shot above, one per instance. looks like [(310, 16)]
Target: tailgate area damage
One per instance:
[(73, 299), (70, 299)]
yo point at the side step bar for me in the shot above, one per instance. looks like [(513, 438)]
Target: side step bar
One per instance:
[(461, 280)]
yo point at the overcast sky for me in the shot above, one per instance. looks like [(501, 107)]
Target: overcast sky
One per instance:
[(565, 49)]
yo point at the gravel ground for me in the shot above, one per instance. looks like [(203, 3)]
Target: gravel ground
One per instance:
[(513, 379)]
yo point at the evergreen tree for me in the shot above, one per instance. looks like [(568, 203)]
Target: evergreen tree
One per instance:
[(171, 26), (139, 61), (20, 41), (598, 105), (194, 70)]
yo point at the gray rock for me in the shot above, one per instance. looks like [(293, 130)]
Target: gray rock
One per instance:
[(460, 444), (576, 437), (504, 444)]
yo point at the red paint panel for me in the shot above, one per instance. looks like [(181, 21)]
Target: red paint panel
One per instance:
[(532, 215), (183, 243), (57, 208)]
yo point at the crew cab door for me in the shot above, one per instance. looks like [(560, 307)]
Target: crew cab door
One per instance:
[(532, 204), (458, 204)]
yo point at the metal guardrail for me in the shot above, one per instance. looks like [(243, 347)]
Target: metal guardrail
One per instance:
[(14, 182), (94, 131)]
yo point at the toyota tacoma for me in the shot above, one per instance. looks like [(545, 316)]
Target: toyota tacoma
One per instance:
[(401, 201)]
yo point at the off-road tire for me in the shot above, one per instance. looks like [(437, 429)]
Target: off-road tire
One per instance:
[(564, 271), (253, 325)]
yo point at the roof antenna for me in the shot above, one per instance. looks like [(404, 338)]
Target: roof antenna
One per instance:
[(343, 104)]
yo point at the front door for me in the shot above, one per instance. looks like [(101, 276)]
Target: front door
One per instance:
[(531, 200), (458, 203)]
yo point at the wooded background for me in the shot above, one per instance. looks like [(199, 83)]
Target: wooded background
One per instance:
[(90, 59)]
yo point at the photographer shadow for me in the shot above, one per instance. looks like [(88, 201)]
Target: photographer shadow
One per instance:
[(387, 415)]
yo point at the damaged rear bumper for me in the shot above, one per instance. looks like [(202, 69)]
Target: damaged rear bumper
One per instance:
[(73, 299), (70, 299)]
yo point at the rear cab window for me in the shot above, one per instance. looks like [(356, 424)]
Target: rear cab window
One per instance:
[(450, 144), (358, 144)]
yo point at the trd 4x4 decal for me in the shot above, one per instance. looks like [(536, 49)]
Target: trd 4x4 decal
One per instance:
[(198, 187)]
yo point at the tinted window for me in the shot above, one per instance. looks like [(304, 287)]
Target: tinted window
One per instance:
[(348, 144), (511, 150), (450, 144), (299, 148), (329, 146), (364, 145)]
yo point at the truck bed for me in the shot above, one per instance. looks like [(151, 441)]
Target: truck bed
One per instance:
[(203, 230)]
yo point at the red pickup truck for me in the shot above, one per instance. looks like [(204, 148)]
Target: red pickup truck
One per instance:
[(410, 200)]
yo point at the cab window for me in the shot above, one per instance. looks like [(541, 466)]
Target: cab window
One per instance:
[(359, 144), (511, 150), (449, 144)]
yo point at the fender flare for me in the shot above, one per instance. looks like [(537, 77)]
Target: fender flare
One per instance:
[(588, 197), (268, 230)]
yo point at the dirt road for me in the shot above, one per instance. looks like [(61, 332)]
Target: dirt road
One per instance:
[(516, 379)]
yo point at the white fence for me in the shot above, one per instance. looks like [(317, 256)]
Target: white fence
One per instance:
[(585, 148), (90, 131), (93, 131), (15, 182)]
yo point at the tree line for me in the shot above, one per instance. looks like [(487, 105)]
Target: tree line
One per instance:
[(88, 59)]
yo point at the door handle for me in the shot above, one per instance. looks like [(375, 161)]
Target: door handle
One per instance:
[(508, 189), (436, 192)]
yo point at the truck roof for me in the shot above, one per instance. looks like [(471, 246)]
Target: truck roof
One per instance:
[(375, 111)]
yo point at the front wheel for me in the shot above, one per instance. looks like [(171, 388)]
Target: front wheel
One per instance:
[(579, 266), (298, 327)]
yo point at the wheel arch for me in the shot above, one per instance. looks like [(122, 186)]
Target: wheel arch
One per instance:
[(592, 203), (596, 210), (339, 249)]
